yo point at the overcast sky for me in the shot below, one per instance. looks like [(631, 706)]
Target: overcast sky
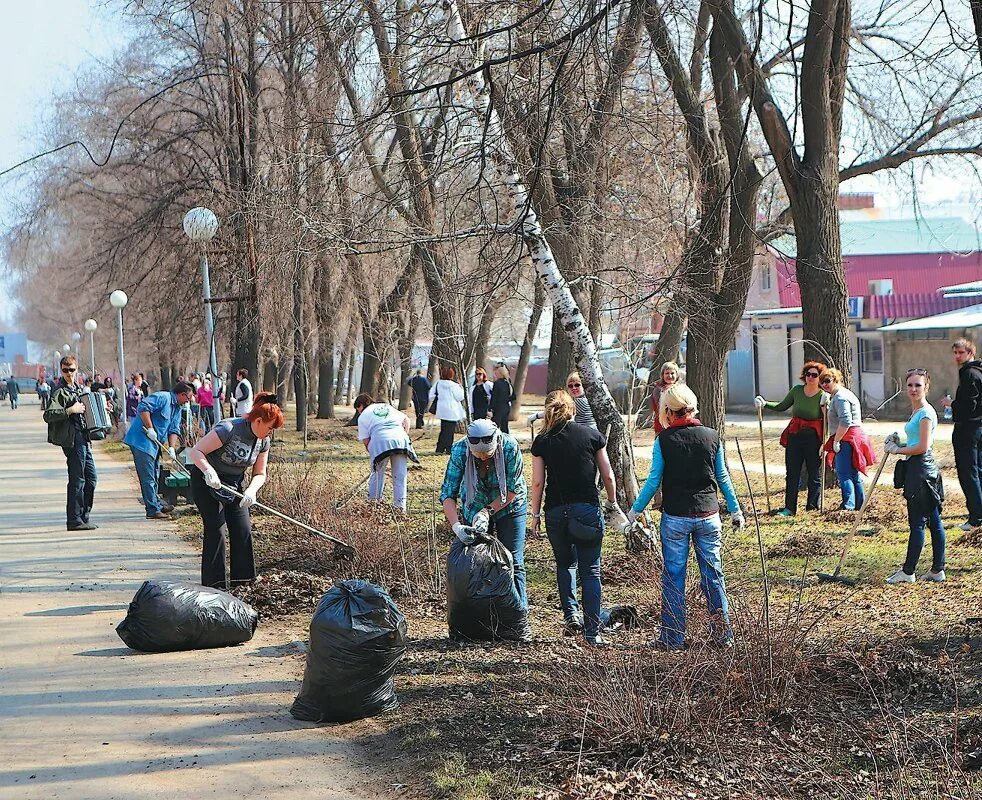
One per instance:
[(43, 44)]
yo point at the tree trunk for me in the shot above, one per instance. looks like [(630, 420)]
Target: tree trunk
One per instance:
[(342, 373), (561, 360), (269, 375), (166, 377), (371, 365), (525, 355), (325, 381)]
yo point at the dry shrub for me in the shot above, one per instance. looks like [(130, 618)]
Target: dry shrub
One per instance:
[(775, 716), (801, 544), (401, 554)]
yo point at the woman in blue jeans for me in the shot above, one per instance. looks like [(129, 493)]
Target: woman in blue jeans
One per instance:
[(687, 463), (849, 444), (923, 489), (565, 459)]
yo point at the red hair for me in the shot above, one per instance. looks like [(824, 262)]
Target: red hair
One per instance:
[(448, 373), (265, 409), (818, 365)]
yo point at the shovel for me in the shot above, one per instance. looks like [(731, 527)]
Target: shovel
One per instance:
[(835, 577)]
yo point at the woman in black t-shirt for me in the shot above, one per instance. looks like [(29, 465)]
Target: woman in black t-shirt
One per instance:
[(566, 457)]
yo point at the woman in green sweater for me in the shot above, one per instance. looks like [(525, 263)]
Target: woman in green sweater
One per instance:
[(802, 439)]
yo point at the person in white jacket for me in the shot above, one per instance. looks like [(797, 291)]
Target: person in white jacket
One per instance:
[(243, 393), (449, 401)]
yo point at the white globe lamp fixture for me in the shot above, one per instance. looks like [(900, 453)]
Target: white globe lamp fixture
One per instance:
[(90, 326), (118, 300), (66, 348), (201, 225)]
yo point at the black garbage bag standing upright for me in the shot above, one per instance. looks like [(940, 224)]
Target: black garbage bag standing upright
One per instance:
[(357, 636), (173, 615), (482, 600)]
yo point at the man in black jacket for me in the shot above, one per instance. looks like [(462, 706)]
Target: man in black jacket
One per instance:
[(421, 396), (66, 429), (966, 437)]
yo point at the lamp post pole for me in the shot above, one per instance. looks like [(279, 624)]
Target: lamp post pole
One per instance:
[(90, 326), (118, 300), (200, 225)]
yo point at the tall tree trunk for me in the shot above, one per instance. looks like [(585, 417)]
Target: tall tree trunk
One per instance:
[(342, 373), (525, 354), (371, 365), (325, 381)]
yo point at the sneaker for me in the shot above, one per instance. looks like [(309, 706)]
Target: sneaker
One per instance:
[(936, 577), (158, 515), (595, 641), (167, 508), (665, 647), (785, 512), (901, 577), (84, 526), (967, 526), (573, 627)]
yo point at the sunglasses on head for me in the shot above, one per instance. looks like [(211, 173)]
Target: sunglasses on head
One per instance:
[(480, 439), (917, 371), (574, 385), (811, 374)]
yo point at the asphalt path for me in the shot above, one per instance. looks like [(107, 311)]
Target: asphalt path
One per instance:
[(83, 716)]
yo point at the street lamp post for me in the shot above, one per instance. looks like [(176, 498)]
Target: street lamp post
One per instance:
[(76, 338), (201, 225), (90, 326), (118, 300)]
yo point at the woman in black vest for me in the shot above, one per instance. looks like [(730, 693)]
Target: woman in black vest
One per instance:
[(501, 397), (689, 457)]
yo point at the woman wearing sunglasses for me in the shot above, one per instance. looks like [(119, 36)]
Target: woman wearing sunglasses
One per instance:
[(848, 446), (923, 489), (802, 439), (484, 491), (584, 413)]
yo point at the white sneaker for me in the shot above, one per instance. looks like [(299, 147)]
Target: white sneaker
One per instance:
[(967, 526), (937, 577), (901, 577)]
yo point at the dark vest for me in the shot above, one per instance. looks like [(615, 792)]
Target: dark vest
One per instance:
[(689, 486)]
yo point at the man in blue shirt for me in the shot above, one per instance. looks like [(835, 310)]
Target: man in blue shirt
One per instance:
[(159, 415)]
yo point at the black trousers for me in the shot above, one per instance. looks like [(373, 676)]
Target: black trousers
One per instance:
[(419, 406), (445, 441), (81, 481), (218, 516), (501, 420), (802, 449)]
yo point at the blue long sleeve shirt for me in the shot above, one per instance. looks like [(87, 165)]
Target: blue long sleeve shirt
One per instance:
[(165, 414), (658, 470)]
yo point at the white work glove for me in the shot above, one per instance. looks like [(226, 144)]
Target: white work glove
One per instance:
[(618, 519), (481, 522), (836, 446), (891, 447), (151, 434), (172, 453), (248, 496), (464, 533), (893, 437), (738, 520), (759, 402), (532, 418), (212, 481), (632, 515)]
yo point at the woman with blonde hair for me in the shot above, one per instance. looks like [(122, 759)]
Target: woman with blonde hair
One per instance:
[(584, 412), (565, 459), (502, 396), (688, 458), (669, 376), (848, 446)]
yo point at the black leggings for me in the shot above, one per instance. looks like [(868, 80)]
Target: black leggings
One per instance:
[(802, 449), (214, 515)]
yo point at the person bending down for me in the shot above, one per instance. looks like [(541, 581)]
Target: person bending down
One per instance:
[(688, 457)]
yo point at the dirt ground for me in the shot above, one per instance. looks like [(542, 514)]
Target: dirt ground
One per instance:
[(835, 690)]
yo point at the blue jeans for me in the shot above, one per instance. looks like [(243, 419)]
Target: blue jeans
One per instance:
[(706, 535), (966, 441), (508, 527), (81, 481), (147, 469), (574, 558), (853, 494), (915, 543)]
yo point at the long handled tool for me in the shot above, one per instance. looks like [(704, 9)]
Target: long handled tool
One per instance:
[(821, 458), (763, 456), (347, 548), (175, 465), (835, 577)]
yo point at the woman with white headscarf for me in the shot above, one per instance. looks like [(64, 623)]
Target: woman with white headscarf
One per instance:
[(484, 491)]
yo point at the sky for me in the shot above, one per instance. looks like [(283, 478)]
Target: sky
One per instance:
[(43, 44)]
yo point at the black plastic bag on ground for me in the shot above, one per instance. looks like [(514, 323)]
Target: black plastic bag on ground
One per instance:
[(171, 615), (357, 636), (482, 601), (616, 617)]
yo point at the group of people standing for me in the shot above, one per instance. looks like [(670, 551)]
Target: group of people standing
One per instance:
[(826, 418)]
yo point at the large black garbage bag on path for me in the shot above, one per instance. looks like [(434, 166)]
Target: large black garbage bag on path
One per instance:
[(482, 601), (357, 636), (172, 615)]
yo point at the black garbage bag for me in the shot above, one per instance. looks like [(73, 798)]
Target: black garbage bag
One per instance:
[(616, 617), (173, 615), (357, 636), (482, 601)]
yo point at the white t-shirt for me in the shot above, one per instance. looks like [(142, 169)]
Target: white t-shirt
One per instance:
[(243, 398), (379, 418)]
